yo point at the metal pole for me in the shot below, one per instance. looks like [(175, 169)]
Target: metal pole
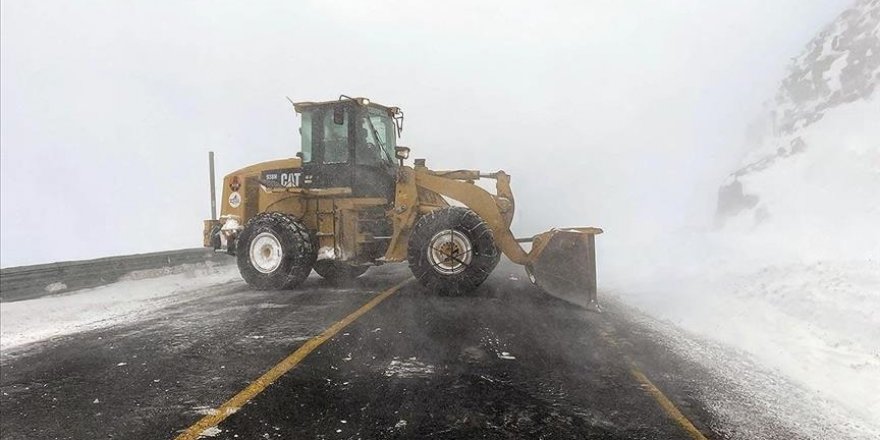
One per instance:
[(592, 288), (213, 191)]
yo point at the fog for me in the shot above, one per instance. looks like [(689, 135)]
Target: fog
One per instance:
[(624, 115)]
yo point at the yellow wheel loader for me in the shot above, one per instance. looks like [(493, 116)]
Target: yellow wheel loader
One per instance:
[(347, 202)]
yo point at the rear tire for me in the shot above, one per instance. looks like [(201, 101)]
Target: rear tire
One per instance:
[(337, 271), (274, 251), (452, 251)]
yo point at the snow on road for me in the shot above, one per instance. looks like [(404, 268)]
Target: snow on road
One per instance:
[(815, 324), (23, 322)]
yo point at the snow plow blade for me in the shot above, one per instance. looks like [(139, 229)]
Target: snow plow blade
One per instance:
[(564, 265)]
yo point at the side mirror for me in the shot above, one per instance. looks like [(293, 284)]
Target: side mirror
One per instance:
[(338, 115), (401, 152)]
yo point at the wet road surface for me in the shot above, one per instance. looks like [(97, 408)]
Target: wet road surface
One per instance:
[(505, 362)]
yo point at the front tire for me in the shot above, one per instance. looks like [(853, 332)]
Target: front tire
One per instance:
[(452, 251), (274, 251)]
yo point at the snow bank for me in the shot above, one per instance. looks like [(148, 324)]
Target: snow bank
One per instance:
[(793, 281), (823, 202), (23, 322), (816, 323)]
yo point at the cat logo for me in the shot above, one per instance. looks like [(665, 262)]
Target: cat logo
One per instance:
[(284, 178), (290, 180)]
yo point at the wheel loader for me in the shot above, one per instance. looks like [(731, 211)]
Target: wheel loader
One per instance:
[(347, 202)]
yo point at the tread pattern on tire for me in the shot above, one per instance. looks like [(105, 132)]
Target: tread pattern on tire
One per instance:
[(485, 257), (298, 247)]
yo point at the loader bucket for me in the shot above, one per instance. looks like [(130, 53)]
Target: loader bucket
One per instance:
[(563, 264)]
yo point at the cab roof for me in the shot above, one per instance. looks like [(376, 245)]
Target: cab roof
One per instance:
[(305, 105)]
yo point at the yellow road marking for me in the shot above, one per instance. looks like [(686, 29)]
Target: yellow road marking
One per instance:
[(671, 410), (667, 405), (256, 387)]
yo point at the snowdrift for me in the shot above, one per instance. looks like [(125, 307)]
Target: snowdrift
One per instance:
[(790, 271)]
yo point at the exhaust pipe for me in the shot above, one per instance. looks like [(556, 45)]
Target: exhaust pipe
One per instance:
[(213, 190), (210, 234)]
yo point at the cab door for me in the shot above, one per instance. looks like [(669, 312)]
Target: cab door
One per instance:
[(375, 173), (329, 164)]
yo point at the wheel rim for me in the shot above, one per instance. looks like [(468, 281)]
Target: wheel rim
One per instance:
[(450, 252), (266, 252)]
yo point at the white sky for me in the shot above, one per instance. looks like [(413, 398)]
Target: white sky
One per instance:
[(625, 115)]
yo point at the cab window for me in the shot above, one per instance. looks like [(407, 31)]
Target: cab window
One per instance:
[(335, 136), (375, 138), (305, 132)]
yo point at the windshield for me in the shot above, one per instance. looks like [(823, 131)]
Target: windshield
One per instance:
[(376, 141)]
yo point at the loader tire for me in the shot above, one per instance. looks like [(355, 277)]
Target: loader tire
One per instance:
[(452, 251), (337, 271), (274, 251)]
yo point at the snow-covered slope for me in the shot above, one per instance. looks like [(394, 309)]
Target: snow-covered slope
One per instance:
[(817, 141), (791, 273)]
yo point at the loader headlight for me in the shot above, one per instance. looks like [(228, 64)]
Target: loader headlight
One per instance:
[(363, 101), (401, 152), (231, 225)]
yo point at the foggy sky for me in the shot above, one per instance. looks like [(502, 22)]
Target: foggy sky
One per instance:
[(625, 115)]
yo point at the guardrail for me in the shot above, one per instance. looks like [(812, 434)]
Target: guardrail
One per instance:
[(26, 282)]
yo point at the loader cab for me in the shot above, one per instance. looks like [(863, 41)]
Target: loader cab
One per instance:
[(349, 143)]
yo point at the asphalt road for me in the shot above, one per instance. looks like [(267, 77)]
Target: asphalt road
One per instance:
[(506, 362)]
